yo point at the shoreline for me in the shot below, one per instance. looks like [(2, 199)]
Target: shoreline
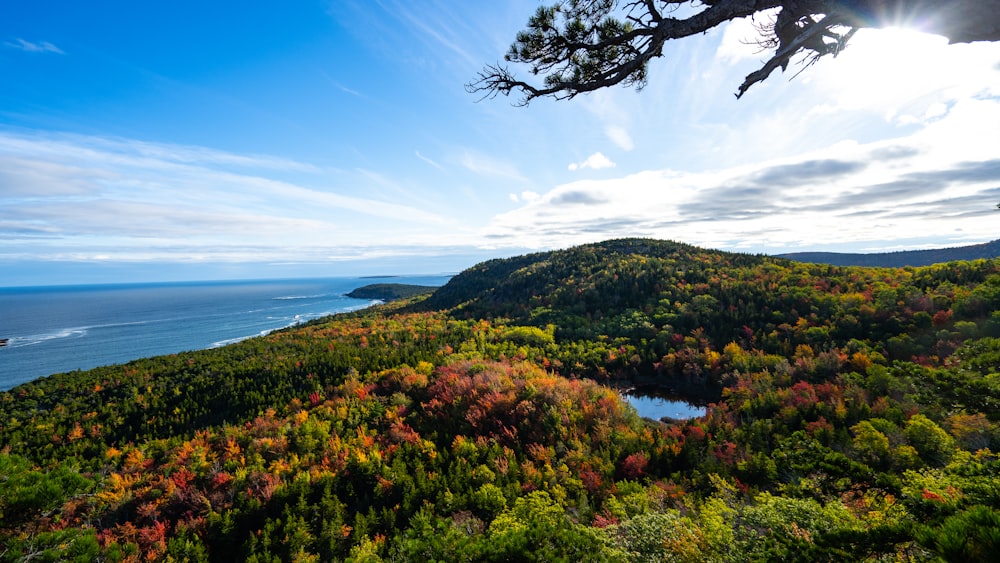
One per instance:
[(65, 329)]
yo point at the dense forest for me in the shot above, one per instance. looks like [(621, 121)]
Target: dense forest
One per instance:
[(854, 415), (902, 258), (389, 291)]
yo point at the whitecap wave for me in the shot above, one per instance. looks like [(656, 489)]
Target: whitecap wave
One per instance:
[(31, 340), (293, 321), (265, 332), (296, 297), (72, 332), (229, 341), (130, 323)]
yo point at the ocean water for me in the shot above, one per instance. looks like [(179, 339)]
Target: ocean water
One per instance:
[(60, 329)]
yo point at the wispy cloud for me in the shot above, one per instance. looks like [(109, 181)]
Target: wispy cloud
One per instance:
[(433, 23), (26, 177), (490, 166), (434, 33), (119, 197), (336, 84), (739, 39), (34, 47), (429, 161), (596, 161), (64, 147), (620, 137), (847, 192)]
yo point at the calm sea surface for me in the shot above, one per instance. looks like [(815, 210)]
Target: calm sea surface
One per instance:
[(59, 329)]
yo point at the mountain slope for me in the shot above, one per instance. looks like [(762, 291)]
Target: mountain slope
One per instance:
[(647, 293), (602, 278), (855, 416), (902, 258)]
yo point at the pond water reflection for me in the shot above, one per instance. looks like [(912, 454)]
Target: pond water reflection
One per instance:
[(658, 406)]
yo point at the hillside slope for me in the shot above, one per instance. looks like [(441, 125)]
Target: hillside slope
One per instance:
[(645, 295), (903, 258), (855, 416)]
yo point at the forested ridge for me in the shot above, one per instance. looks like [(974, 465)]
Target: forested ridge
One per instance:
[(854, 416), (901, 258), (389, 291)]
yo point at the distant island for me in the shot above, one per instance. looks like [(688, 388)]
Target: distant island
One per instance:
[(390, 291), (902, 258)]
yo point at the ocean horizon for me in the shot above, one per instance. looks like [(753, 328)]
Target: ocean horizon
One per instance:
[(57, 329)]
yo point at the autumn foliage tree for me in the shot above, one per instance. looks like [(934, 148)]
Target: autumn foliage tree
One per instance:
[(843, 424)]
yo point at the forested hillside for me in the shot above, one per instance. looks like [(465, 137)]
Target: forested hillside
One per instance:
[(855, 415), (390, 291), (901, 258)]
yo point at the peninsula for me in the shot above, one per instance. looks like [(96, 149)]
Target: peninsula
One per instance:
[(390, 291)]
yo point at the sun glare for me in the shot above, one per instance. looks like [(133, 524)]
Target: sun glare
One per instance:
[(893, 65)]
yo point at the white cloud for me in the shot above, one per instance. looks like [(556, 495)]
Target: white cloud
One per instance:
[(429, 161), (596, 161), (898, 71), (935, 110), (25, 177), (739, 39), (620, 137), (341, 87), (489, 166), (439, 30), (526, 196), (115, 197), (850, 171), (708, 157), (31, 47), (907, 188), (606, 106), (64, 147)]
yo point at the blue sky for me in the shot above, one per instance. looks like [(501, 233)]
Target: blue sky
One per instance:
[(145, 141)]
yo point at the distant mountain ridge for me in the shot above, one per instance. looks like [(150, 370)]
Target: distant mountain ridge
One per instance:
[(901, 258)]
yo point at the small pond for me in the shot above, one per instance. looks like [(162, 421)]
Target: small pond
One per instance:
[(658, 405)]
